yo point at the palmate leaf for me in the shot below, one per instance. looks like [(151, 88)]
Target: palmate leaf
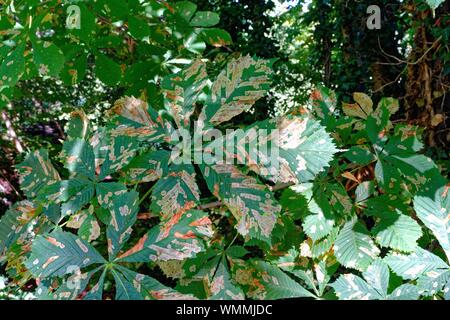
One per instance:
[(261, 280), (84, 156), (58, 253), (433, 209), (374, 286), (176, 238), (182, 90), (14, 223), (250, 201), (176, 192), (36, 172), (244, 81), (354, 248)]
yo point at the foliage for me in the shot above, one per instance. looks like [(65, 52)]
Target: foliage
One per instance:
[(142, 205)]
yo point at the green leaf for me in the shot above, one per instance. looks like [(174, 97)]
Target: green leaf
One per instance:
[(405, 292), (147, 167), (182, 90), (237, 88), (120, 150), (123, 211), (250, 202), (36, 172), (323, 104), (398, 161), (397, 231), (89, 229), (205, 19), (351, 287), (138, 28), (79, 158), (216, 37), (324, 245), (319, 224), (107, 70), (433, 209), (78, 126), (58, 253), (113, 9), (186, 9), (75, 67), (287, 149), (374, 286), (412, 266), (73, 193), (12, 67), (434, 3), (177, 192), (145, 287), (14, 223), (107, 192), (48, 58), (79, 200), (236, 252), (133, 118), (264, 281), (179, 237), (222, 287), (317, 280), (364, 191), (432, 283), (354, 248), (359, 155), (71, 287)]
